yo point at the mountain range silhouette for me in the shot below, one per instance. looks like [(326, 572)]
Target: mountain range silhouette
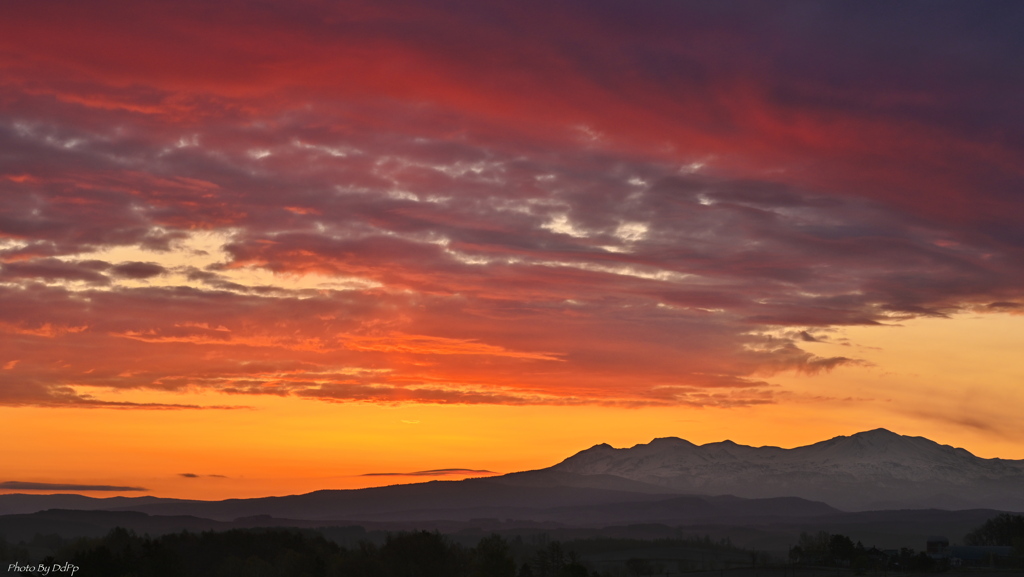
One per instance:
[(668, 480)]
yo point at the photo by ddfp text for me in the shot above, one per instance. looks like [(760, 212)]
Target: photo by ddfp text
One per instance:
[(42, 569)]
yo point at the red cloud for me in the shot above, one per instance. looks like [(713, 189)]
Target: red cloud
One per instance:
[(589, 205)]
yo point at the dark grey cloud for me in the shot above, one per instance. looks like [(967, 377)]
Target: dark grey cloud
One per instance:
[(137, 270), (49, 269), (195, 476), (30, 486)]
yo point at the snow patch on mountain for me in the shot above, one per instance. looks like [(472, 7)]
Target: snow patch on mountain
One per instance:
[(858, 472)]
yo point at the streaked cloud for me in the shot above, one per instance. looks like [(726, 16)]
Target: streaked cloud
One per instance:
[(196, 476), (434, 473), (30, 486)]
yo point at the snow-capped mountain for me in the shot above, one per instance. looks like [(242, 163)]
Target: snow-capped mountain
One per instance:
[(875, 469)]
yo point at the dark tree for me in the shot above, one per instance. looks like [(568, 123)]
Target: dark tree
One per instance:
[(841, 547), (420, 554), (796, 554), (493, 558), (1003, 529), (548, 562), (574, 568)]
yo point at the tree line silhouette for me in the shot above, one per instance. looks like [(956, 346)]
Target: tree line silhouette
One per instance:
[(272, 552), (1005, 529), (305, 552)]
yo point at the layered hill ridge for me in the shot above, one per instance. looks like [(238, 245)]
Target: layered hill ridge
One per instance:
[(668, 480), (533, 496), (875, 469)]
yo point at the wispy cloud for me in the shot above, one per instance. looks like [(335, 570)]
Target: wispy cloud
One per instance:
[(434, 473), (196, 476), (29, 486)]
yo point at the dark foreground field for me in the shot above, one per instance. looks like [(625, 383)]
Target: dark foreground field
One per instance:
[(354, 552)]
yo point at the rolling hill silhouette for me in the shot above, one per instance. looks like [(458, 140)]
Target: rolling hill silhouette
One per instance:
[(668, 481)]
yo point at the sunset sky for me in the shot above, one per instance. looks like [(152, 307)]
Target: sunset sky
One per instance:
[(264, 248)]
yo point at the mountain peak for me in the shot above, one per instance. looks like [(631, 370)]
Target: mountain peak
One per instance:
[(670, 442), (597, 449), (874, 442), (880, 433)]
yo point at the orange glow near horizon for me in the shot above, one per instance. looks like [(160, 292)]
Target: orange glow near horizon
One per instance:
[(284, 446)]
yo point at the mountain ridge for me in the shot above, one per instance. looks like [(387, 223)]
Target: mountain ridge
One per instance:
[(871, 470), (856, 472)]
